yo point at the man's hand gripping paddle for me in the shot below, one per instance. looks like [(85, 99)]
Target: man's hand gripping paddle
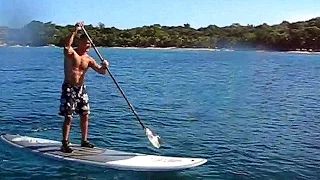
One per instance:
[(153, 138)]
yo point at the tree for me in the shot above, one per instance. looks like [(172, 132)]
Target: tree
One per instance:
[(284, 36), (101, 25)]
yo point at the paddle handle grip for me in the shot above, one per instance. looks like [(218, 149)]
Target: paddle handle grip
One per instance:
[(112, 77)]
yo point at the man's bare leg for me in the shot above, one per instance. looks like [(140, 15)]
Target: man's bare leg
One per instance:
[(84, 118), (66, 127), (65, 134), (84, 126)]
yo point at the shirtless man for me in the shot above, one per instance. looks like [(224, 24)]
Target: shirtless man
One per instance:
[(74, 98)]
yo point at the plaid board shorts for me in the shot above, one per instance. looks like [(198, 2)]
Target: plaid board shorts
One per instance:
[(74, 99)]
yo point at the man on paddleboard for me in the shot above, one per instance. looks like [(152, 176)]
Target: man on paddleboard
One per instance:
[(74, 97)]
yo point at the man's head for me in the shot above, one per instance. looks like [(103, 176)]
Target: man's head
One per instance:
[(84, 43)]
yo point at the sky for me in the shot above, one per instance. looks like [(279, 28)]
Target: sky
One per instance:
[(125, 14)]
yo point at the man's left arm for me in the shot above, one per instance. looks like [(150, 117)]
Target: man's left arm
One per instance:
[(102, 69)]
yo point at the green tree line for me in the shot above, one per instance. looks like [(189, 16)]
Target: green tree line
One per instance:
[(285, 36)]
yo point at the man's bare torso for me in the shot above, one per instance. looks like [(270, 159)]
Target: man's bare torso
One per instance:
[(75, 68)]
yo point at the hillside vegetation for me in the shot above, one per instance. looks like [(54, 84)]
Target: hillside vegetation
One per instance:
[(303, 35)]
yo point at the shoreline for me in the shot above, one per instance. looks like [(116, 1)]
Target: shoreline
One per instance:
[(175, 48), (171, 48), (150, 48)]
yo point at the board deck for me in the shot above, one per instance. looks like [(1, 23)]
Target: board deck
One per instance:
[(103, 156)]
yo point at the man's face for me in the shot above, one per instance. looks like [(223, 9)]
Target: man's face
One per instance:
[(85, 44)]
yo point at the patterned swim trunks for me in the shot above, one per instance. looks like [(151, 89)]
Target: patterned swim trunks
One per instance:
[(74, 99)]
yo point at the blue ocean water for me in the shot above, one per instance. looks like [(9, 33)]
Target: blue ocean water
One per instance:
[(253, 115)]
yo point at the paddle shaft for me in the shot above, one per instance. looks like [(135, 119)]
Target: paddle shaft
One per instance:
[(114, 80)]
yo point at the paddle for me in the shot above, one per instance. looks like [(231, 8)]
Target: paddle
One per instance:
[(153, 138)]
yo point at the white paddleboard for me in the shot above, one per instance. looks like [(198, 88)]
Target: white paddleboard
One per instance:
[(102, 156)]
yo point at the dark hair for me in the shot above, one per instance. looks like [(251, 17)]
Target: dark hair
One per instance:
[(83, 36)]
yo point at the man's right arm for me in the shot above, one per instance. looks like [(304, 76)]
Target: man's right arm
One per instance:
[(68, 50)]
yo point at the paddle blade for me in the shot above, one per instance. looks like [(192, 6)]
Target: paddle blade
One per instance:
[(154, 139)]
